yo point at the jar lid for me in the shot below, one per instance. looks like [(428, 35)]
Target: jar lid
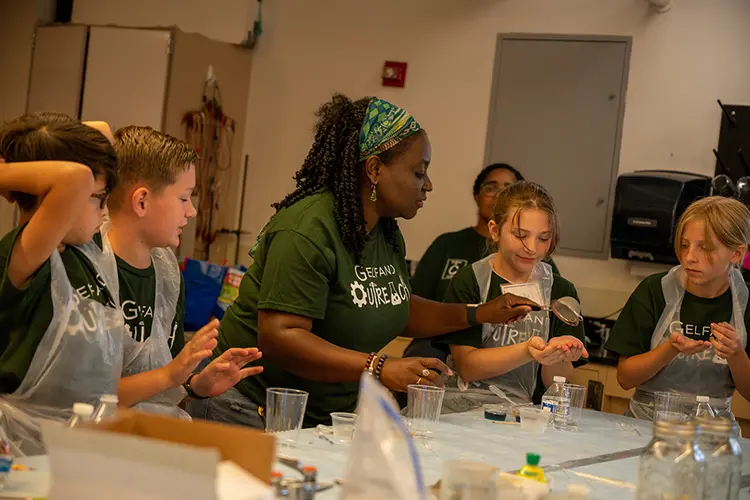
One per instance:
[(664, 428), (717, 425)]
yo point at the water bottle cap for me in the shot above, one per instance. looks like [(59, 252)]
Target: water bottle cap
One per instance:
[(533, 459), (309, 468), (108, 398), (702, 399), (83, 409), (559, 380)]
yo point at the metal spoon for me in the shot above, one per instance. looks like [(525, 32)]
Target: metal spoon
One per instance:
[(568, 309)]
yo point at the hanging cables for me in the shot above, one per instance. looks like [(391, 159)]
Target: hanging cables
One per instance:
[(211, 133)]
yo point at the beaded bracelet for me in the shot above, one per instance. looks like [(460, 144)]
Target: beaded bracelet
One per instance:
[(379, 367), (370, 359)]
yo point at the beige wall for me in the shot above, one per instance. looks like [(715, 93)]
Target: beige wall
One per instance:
[(224, 20), (18, 20), (681, 62)]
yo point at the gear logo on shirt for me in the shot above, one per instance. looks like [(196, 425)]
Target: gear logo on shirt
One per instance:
[(452, 266), (359, 295), (377, 286)]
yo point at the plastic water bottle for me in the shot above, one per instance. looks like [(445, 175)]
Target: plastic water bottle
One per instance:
[(107, 408), (81, 414), (703, 408), (557, 400)]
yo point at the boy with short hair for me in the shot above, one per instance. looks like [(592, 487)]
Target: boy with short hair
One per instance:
[(62, 335), (148, 210)]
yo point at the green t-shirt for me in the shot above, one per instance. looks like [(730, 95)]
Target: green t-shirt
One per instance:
[(445, 257), (137, 296), (464, 289), (302, 267), (635, 326), (26, 314)]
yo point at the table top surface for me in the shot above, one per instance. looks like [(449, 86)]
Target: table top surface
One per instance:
[(581, 457), (613, 442)]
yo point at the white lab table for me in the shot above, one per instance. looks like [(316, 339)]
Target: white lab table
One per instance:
[(603, 454)]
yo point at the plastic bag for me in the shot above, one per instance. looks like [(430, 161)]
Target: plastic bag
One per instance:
[(383, 460), (203, 282)]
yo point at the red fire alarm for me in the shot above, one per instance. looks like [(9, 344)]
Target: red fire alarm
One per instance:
[(394, 74)]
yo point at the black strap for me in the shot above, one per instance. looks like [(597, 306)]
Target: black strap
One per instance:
[(189, 389)]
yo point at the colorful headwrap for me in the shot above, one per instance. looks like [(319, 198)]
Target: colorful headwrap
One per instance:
[(385, 126)]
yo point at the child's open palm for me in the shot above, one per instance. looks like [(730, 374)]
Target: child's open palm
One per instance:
[(225, 371), (687, 346), (195, 351)]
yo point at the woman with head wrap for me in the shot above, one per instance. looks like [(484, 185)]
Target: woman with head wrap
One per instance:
[(329, 286)]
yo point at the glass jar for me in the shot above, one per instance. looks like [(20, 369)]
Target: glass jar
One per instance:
[(673, 464), (723, 455)]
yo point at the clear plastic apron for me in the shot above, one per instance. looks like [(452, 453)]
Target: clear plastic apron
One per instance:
[(154, 352), (517, 384), (704, 373), (78, 359)]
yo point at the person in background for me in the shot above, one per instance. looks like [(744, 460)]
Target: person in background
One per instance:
[(514, 357), (452, 251), (329, 285), (686, 330), (148, 209)]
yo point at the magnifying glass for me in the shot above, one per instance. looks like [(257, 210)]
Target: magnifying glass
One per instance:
[(568, 309)]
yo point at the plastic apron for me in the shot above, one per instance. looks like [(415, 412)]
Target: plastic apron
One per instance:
[(700, 374), (78, 359), (517, 384), (154, 352)]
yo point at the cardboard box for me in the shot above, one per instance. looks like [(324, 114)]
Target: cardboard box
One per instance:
[(148, 456)]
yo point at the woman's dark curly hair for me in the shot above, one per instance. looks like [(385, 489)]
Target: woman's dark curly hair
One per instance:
[(333, 163)]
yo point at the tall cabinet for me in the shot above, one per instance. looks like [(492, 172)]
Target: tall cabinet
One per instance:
[(143, 76)]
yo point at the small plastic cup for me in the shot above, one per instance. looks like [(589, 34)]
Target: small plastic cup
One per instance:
[(534, 420), (343, 426), (497, 412), (577, 395), (516, 411), (423, 409), (670, 406), (285, 411)]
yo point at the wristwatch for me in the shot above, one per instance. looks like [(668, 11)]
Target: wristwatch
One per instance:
[(471, 314), (188, 388)]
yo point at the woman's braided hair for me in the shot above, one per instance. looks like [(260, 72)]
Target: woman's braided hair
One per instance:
[(333, 163)]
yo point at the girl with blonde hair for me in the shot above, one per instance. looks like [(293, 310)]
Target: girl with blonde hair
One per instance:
[(686, 330)]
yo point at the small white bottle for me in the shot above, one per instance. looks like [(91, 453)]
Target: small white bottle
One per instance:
[(107, 408), (81, 414), (703, 408)]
